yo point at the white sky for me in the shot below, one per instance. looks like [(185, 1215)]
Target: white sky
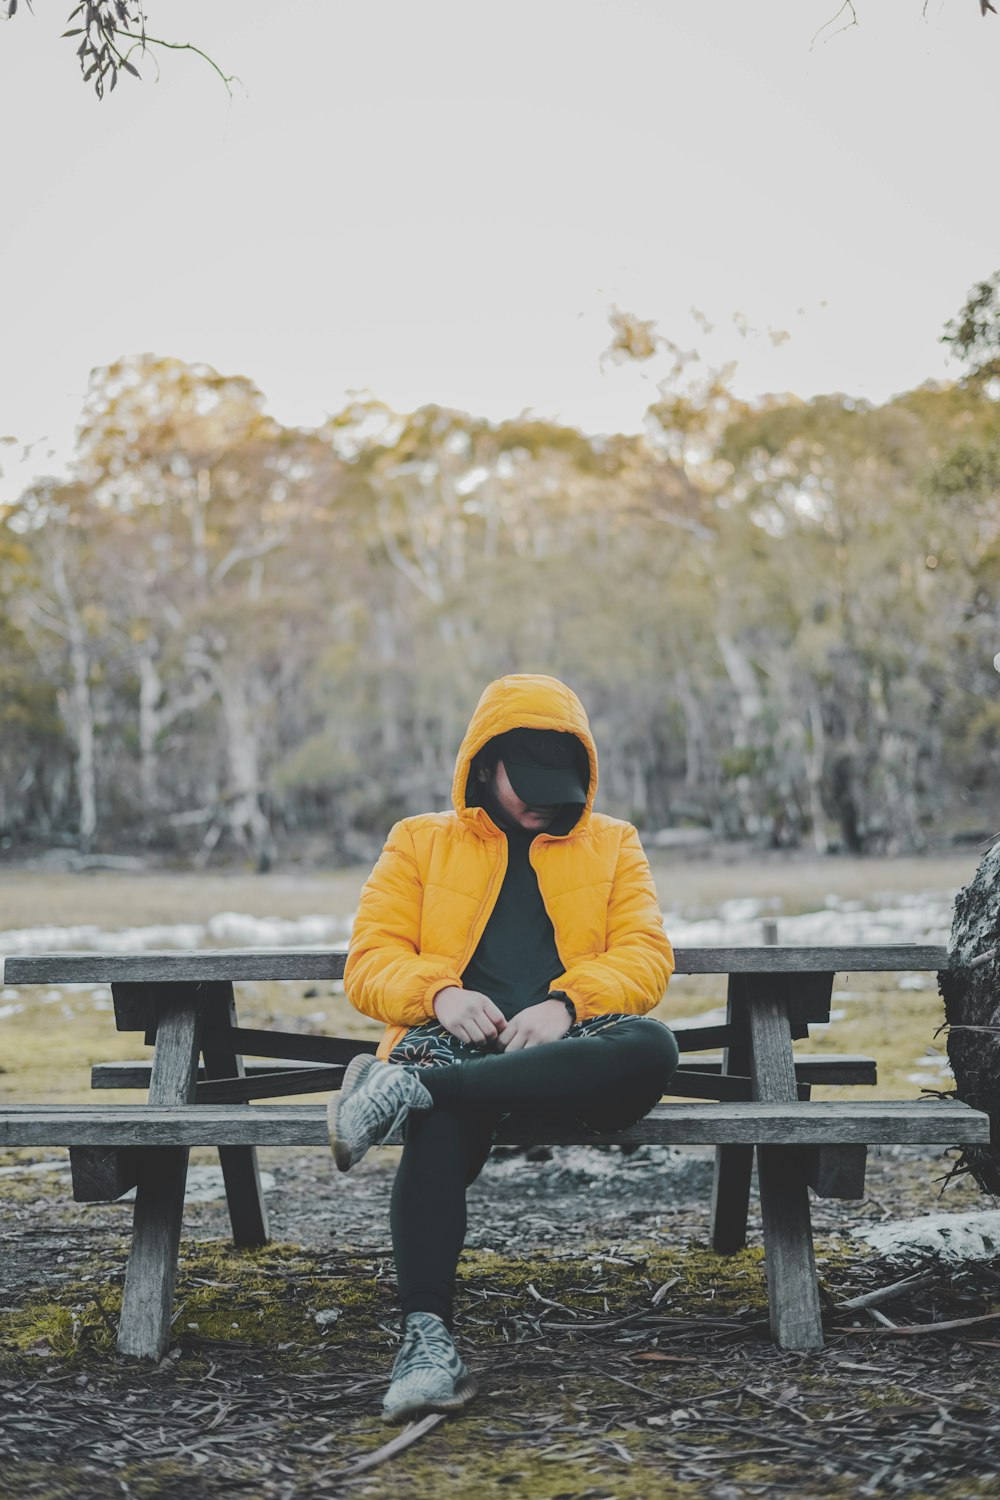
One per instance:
[(439, 200)]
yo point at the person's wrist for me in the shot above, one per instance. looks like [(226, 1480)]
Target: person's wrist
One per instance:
[(445, 994), (566, 1001)]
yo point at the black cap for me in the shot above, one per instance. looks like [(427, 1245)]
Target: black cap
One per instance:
[(542, 765)]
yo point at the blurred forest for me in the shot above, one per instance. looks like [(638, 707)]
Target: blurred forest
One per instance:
[(229, 635)]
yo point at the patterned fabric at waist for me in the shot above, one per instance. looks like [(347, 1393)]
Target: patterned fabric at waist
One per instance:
[(430, 1045)]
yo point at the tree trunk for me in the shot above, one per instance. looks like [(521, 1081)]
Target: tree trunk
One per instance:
[(971, 991), (150, 692), (76, 704), (245, 815), (815, 755)]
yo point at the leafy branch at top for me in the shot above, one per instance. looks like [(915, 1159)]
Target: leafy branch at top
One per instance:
[(110, 31)]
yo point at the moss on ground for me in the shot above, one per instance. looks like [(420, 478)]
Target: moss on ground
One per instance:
[(276, 1300)]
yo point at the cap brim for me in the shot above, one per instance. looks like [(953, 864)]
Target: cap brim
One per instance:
[(545, 786)]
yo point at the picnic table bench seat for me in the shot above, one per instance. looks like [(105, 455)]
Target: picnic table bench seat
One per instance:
[(753, 1097)]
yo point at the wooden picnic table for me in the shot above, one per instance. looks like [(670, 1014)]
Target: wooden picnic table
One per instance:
[(753, 1096)]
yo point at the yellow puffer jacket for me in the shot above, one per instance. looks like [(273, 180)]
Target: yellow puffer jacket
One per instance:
[(425, 905)]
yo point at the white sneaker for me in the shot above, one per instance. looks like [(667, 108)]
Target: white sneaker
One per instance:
[(375, 1099), (428, 1374)]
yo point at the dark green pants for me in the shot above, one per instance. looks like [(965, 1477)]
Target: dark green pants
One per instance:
[(606, 1081)]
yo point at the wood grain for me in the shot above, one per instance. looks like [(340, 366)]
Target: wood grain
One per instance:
[(794, 1122), (793, 1293), (837, 1171), (101, 1174), (240, 1171), (730, 1203), (159, 1202), (238, 964), (789, 1260)]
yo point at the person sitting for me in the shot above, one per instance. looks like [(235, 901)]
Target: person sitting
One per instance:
[(512, 947)]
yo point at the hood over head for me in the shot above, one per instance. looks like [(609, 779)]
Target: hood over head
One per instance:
[(523, 701)]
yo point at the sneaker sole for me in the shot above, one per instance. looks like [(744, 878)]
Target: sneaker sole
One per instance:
[(355, 1073), (464, 1392)]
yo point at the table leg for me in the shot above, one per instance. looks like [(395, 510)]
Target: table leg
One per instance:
[(151, 1273), (247, 1209), (733, 1164), (793, 1295), (792, 1292), (731, 1198)]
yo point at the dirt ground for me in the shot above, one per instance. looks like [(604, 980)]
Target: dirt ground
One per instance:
[(616, 1357)]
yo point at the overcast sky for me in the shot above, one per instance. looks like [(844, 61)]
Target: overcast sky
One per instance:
[(439, 200)]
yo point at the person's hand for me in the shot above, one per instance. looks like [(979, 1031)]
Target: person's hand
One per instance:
[(470, 1016), (545, 1022)]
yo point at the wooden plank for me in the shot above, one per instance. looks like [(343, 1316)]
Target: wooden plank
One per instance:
[(238, 964), (240, 1170), (837, 1171), (818, 1122), (807, 999), (789, 1261), (159, 1201), (692, 1084), (301, 1046), (730, 1204), (135, 1007), (828, 1067), (272, 1085), (867, 959), (135, 1074), (175, 967), (102, 1173), (772, 1064), (697, 1038)]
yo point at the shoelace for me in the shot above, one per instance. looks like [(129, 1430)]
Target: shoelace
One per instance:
[(369, 1106), (419, 1346)]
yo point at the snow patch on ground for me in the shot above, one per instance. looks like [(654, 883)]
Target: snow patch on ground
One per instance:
[(908, 918), (207, 1185), (204, 1184), (226, 929), (953, 1237), (921, 918), (935, 1071)]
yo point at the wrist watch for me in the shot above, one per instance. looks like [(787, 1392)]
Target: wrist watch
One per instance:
[(562, 995)]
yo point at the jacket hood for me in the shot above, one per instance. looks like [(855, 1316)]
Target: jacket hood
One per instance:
[(523, 701)]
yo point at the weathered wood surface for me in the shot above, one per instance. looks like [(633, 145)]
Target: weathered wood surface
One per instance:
[(789, 1260), (837, 1171), (772, 1061), (302, 1047), (793, 1293), (159, 1201), (818, 1122), (697, 1038), (238, 964), (312, 1080), (240, 1172), (102, 1173), (827, 1067), (730, 1204)]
